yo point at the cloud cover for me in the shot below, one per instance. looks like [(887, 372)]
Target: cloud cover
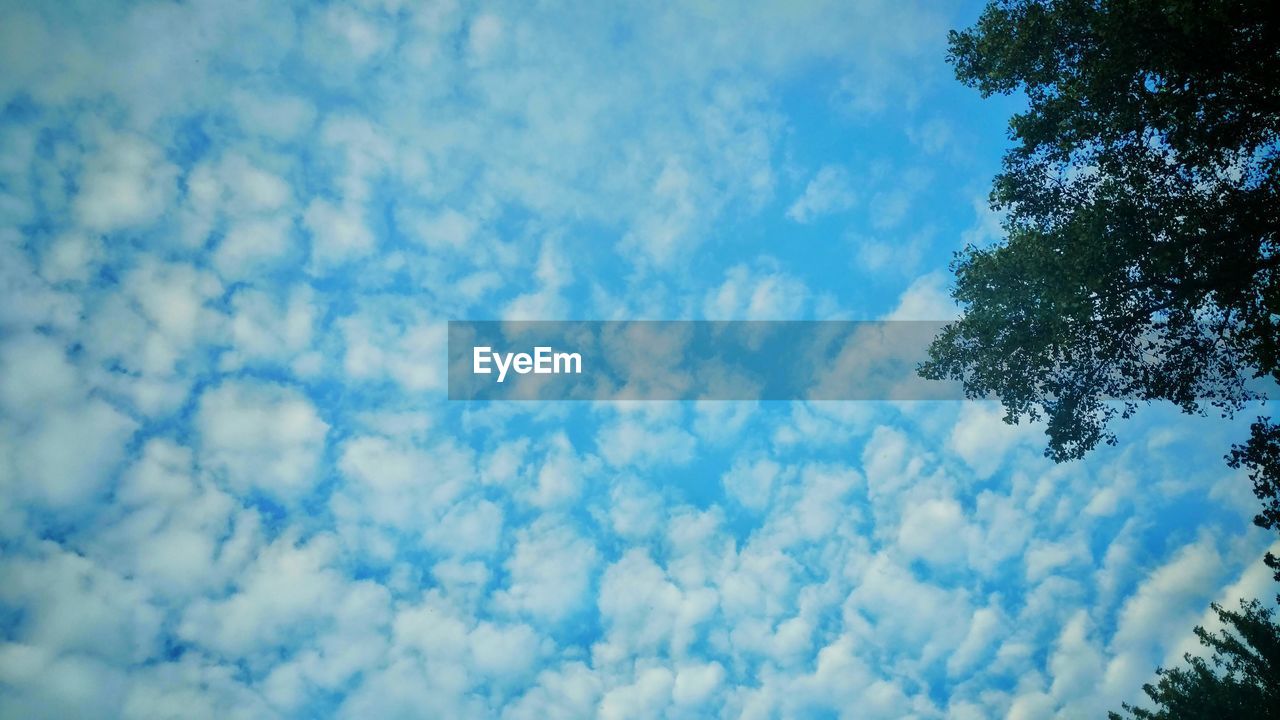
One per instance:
[(230, 234)]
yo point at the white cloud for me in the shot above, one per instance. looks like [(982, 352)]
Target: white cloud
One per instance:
[(935, 531), (59, 479), (267, 329), (484, 36), (262, 437), (36, 376), (338, 233), (667, 227), (571, 690), (987, 225), (364, 37), (764, 293), (504, 652), (985, 628), (828, 192), (29, 302), (927, 298), (126, 182), (983, 439), (71, 257), (447, 229), (151, 329), (279, 117), (934, 136), (172, 531), (1170, 597), (645, 613), (398, 484), (553, 273), (192, 688), (635, 511), (291, 600), (697, 683), (468, 528), (633, 443), (647, 697), (51, 686), (550, 571), (893, 253), (410, 351), (1076, 664), (253, 244), (752, 482), (79, 609), (304, 197), (559, 478)]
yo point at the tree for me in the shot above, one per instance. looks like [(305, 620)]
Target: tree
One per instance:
[(1140, 261), (1241, 680), (1141, 199), (1261, 455)]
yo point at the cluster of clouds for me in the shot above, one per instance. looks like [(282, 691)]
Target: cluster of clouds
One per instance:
[(230, 486)]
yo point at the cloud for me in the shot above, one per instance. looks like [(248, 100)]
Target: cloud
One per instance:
[(384, 344), (71, 257), (253, 243), (987, 226), (934, 136), (828, 192), (125, 182), (927, 298), (264, 329), (629, 443), (338, 233), (983, 439), (553, 273), (398, 484), (935, 531), (645, 613), (752, 483), (666, 226), (230, 485), (893, 255), (45, 398), (1170, 597), (172, 530), (36, 376), (83, 627), (261, 437), (647, 697), (277, 116), (550, 572), (571, 688), (762, 293)]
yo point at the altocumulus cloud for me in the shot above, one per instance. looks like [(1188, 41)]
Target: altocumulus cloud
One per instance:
[(230, 487)]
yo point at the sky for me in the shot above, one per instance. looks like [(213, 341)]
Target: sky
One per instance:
[(231, 484)]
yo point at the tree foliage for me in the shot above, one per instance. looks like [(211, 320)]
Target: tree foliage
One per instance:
[(1261, 456), (1141, 203), (1241, 680), (1141, 261), (1141, 196)]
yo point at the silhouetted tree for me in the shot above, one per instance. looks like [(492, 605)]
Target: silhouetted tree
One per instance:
[(1261, 455), (1141, 262), (1141, 202), (1241, 680)]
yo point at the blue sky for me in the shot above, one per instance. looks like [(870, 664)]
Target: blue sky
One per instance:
[(231, 235)]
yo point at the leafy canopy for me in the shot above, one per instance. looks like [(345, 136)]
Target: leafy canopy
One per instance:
[(1141, 207), (1141, 202), (1241, 680)]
